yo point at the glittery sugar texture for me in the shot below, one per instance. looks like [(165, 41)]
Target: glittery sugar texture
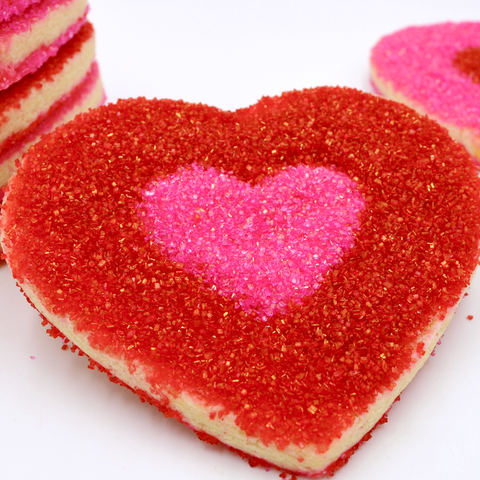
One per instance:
[(425, 63), (21, 18), (468, 62), (264, 246), (73, 229), (12, 98), (10, 8)]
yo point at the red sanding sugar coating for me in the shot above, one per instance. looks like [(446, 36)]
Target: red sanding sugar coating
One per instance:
[(422, 63), (264, 246), (468, 61), (73, 230)]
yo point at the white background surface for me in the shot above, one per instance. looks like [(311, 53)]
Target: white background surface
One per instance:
[(60, 420)]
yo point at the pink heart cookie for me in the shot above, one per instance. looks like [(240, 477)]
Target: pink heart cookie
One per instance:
[(434, 69), (264, 246)]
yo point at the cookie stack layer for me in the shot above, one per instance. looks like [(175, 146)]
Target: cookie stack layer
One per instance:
[(48, 72)]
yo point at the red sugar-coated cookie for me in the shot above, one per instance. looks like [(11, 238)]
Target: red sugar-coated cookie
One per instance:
[(435, 69), (138, 229)]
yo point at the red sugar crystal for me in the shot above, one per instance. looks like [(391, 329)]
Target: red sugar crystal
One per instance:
[(468, 61), (73, 230)]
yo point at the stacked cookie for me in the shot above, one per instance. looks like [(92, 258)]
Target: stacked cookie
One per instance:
[(48, 71)]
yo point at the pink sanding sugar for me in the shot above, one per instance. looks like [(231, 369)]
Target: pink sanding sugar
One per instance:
[(418, 62), (21, 19), (11, 73), (10, 8), (264, 245)]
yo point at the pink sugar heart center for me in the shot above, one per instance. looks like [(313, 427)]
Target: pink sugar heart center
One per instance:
[(264, 245)]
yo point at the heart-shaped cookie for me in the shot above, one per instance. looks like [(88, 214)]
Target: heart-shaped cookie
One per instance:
[(300, 386), (434, 69)]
